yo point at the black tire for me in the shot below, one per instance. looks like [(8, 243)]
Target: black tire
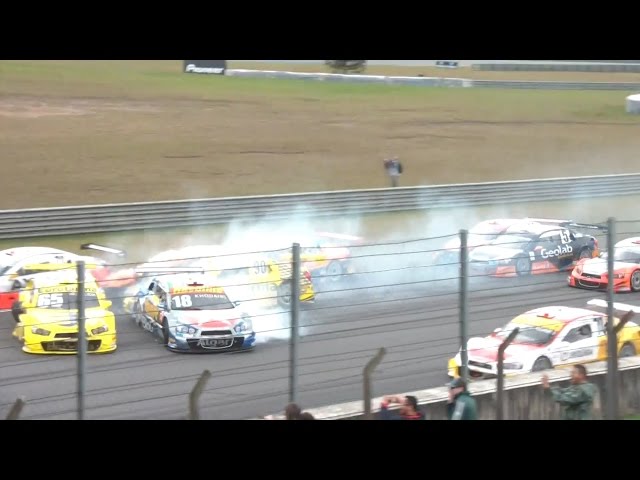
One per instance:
[(333, 272), (634, 281), (542, 363), (284, 294), (627, 350), (17, 310), (523, 266), (586, 252), (165, 331)]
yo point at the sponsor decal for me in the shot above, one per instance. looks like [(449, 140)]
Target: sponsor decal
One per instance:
[(556, 252), (193, 290), (66, 289), (216, 67)]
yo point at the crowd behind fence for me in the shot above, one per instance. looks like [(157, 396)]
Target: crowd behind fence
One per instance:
[(405, 292)]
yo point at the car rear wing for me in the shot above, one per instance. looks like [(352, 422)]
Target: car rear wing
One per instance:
[(102, 248), (620, 307)]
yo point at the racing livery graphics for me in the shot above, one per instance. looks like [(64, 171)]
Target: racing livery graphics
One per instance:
[(548, 337), (592, 273), (46, 317), (193, 316), (533, 248), (16, 266)]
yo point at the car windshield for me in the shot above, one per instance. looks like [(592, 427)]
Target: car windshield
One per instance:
[(206, 300), (66, 300), (627, 255), (511, 240), (529, 334)]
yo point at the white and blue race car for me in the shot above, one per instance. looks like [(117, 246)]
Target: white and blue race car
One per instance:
[(192, 315)]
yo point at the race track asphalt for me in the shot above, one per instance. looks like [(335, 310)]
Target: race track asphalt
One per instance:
[(417, 323)]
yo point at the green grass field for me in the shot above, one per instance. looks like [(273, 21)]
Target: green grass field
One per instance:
[(78, 132)]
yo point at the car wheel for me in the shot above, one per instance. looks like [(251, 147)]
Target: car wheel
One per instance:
[(523, 266), (627, 350), (333, 271), (635, 281), (542, 363), (585, 253), (284, 294), (165, 331), (17, 310)]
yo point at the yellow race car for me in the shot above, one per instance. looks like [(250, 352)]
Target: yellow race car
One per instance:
[(46, 315)]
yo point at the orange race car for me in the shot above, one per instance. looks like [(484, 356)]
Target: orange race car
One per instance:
[(534, 247), (591, 273)]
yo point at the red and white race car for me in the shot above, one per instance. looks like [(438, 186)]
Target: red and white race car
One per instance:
[(548, 337)]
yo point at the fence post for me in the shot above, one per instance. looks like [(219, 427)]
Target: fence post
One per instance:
[(612, 338), (295, 323), (14, 413), (82, 339), (464, 286), (368, 369), (194, 396), (500, 388)]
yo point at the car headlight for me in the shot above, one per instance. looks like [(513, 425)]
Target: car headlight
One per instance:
[(99, 330), (243, 325), (579, 270), (513, 366), (40, 331), (188, 329), (618, 275)]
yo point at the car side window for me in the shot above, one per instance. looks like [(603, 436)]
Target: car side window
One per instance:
[(599, 326), (579, 333), (550, 237)]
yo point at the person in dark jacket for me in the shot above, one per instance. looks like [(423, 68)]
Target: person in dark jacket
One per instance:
[(577, 398), (306, 416), (292, 411), (461, 405), (408, 408)]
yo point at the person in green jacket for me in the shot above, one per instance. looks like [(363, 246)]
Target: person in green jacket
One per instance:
[(577, 399), (461, 405)]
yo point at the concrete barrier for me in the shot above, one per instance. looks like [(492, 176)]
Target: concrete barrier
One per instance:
[(524, 398), (633, 104)]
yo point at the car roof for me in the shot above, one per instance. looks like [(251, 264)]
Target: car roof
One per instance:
[(12, 255), (528, 227), (632, 242), (555, 317)]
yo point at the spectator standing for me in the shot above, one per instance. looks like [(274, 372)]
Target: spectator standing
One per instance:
[(576, 400), (408, 409), (461, 405), (394, 170)]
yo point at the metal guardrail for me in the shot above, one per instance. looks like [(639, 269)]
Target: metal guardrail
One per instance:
[(551, 85), (31, 223), (433, 81)]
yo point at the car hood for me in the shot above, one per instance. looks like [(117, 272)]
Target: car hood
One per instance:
[(207, 318), (493, 252), (598, 266), (67, 318), (486, 350)]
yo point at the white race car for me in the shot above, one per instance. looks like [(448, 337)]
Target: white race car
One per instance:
[(548, 337), (15, 263)]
